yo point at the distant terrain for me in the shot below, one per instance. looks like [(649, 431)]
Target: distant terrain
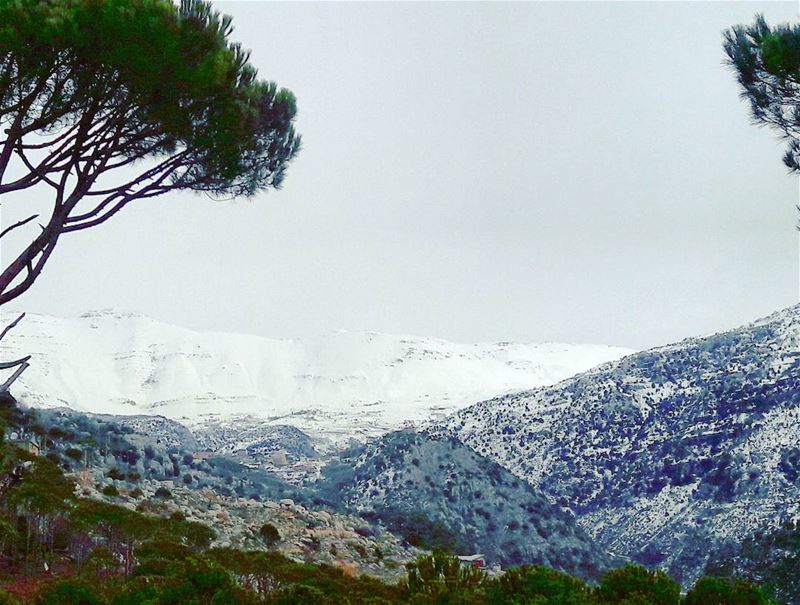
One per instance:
[(683, 458), (335, 387)]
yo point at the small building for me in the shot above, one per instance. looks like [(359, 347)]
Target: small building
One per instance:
[(476, 560)]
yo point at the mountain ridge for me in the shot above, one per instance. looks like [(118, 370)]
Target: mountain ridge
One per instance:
[(339, 386), (665, 456)]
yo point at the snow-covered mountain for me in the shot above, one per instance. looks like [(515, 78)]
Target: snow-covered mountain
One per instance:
[(338, 386), (672, 456)]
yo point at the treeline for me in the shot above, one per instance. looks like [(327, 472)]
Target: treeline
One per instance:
[(442, 580), (169, 572)]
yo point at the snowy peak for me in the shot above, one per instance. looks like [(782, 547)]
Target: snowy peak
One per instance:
[(341, 385)]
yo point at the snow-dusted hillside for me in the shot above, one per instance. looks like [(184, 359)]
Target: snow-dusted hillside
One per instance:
[(337, 386), (671, 456)]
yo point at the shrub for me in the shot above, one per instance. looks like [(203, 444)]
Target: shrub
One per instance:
[(7, 599), (74, 454), (441, 578), (724, 591), (532, 584), (101, 559), (115, 474), (69, 592), (635, 583), (269, 533), (110, 490), (163, 492)]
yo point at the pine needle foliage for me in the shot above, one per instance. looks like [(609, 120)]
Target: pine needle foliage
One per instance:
[(109, 101), (766, 61)]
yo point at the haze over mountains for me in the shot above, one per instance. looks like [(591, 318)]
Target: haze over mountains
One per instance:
[(337, 386)]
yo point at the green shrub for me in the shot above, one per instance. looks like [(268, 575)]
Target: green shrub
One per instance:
[(7, 599), (441, 578), (269, 533), (638, 585), (69, 592), (725, 591), (110, 490), (533, 584)]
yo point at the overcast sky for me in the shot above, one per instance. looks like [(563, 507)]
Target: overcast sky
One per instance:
[(477, 172)]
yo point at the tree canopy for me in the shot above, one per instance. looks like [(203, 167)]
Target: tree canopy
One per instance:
[(766, 61), (108, 101)]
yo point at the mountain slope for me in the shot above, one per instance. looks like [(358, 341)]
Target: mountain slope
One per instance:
[(339, 386), (446, 495), (668, 455)]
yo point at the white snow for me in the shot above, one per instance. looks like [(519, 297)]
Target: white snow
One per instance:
[(340, 385)]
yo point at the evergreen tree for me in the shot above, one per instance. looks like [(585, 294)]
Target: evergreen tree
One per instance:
[(104, 103), (766, 61)]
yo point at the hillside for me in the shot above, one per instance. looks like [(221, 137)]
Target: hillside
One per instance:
[(669, 456), (429, 493), (446, 496), (125, 531), (339, 386)]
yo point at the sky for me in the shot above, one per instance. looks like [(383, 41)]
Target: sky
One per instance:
[(581, 172)]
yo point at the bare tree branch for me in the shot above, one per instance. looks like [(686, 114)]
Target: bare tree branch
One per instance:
[(7, 365), (11, 326), (12, 379), (18, 224)]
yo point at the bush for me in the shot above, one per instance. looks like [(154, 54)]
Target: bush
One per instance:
[(163, 493), (69, 592), (269, 533), (441, 578), (724, 591), (300, 594), (637, 584), (531, 584), (74, 454), (101, 559), (7, 599), (115, 474), (110, 490)]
